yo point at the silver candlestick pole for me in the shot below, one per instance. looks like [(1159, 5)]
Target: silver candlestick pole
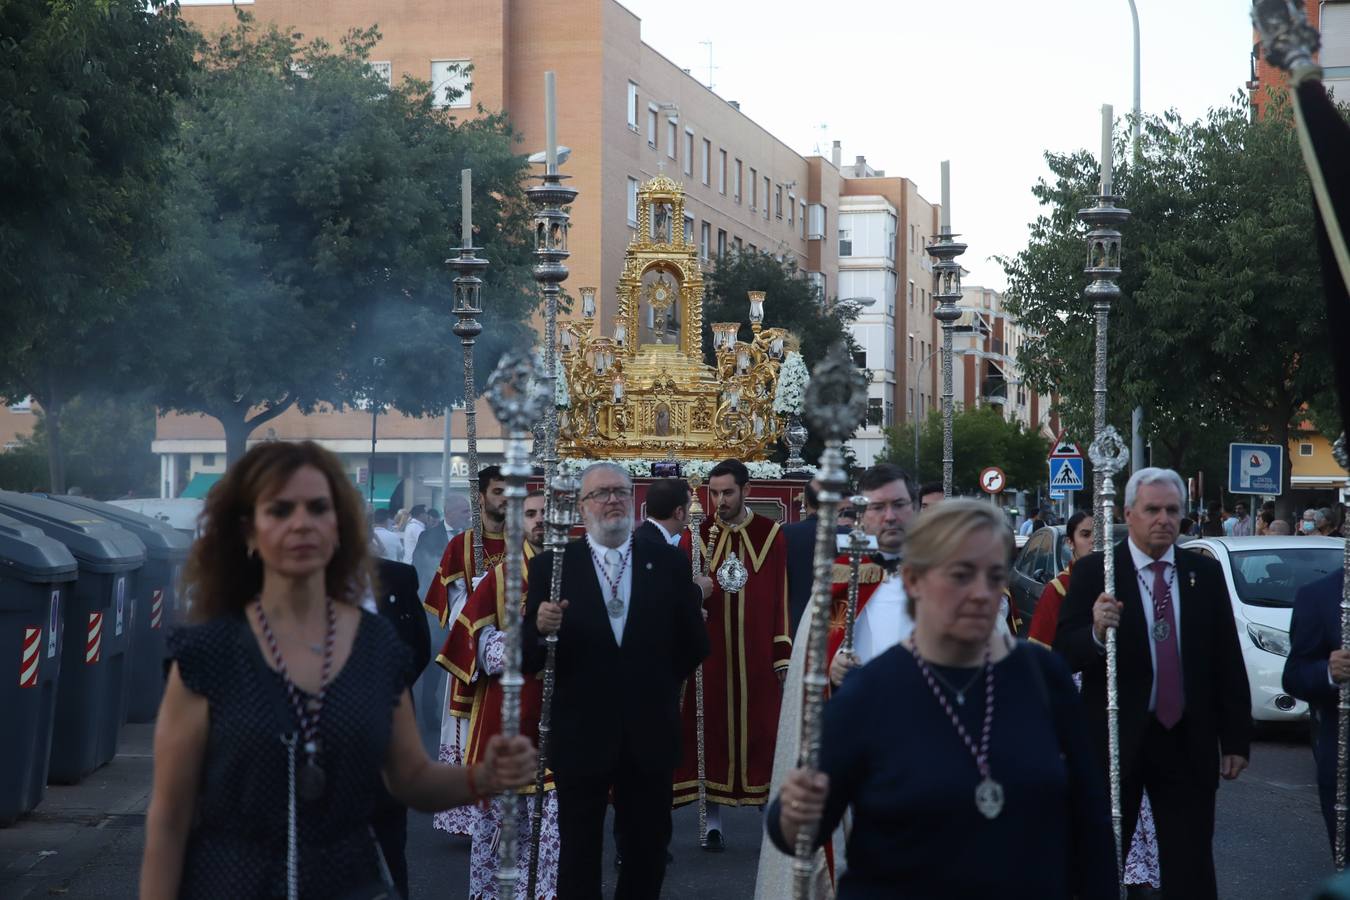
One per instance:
[(857, 543), (517, 395), (551, 223), (468, 287), (1110, 455), (1103, 267), (696, 559), (836, 402), (1342, 454), (947, 292), (562, 515)]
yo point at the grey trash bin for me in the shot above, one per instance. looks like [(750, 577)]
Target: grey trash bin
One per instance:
[(36, 576), (91, 691), (156, 609)]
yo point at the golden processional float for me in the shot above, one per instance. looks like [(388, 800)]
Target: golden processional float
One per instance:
[(644, 393)]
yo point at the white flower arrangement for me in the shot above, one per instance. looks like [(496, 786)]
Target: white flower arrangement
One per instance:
[(790, 396), (642, 468)]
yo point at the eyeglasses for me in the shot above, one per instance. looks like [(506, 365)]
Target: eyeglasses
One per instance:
[(898, 506), (604, 495)]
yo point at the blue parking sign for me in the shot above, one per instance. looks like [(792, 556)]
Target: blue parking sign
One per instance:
[(1256, 469)]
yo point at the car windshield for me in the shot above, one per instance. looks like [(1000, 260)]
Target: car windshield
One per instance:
[(1274, 577)]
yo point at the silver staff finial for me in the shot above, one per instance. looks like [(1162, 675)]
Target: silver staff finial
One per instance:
[(1289, 40)]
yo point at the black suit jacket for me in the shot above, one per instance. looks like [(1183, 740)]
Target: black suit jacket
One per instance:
[(1218, 699), (648, 531), (427, 552), (398, 600), (618, 701), (801, 551), (1314, 632)]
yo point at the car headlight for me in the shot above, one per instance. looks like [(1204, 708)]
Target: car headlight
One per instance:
[(1271, 640)]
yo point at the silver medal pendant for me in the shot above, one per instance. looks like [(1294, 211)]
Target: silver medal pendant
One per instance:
[(615, 607), (989, 798), (310, 780), (1161, 630), (731, 575)]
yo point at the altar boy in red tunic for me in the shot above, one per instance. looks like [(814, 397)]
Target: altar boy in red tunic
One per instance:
[(742, 677), (474, 654)]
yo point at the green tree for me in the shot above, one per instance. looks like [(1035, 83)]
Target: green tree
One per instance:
[(792, 302), (87, 93), (314, 209), (1215, 334), (980, 437)]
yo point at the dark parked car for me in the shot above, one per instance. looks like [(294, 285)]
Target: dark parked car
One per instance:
[(1042, 558)]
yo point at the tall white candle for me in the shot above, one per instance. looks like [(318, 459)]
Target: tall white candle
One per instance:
[(1107, 162), (550, 123), (946, 221), (466, 206)]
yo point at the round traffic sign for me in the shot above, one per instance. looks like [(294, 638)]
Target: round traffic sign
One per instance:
[(992, 480)]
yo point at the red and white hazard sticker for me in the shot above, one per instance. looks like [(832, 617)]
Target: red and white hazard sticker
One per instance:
[(156, 609), (28, 659), (93, 642)]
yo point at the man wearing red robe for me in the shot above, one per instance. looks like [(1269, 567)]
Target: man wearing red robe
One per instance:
[(445, 598), (742, 676), (473, 655)]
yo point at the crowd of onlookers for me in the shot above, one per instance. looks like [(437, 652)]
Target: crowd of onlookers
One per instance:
[(417, 535), (1217, 520)]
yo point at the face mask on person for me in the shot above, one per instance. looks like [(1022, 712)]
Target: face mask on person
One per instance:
[(1308, 527)]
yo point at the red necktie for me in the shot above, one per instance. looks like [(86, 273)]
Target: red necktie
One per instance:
[(1170, 696)]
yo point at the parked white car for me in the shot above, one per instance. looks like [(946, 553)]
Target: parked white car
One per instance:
[(180, 513), (1264, 575)]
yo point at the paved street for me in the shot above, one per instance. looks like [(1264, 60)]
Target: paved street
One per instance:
[(85, 841)]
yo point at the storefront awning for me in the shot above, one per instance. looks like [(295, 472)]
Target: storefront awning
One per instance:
[(199, 485)]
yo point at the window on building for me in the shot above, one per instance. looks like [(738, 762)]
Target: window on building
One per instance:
[(688, 152), (875, 412), (632, 105), (632, 201), (672, 136), (1305, 449), (845, 242), (754, 188), (721, 172), (815, 228), (766, 196), (911, 295), (704, 239), (652, 121), (889, 420), (801, 217), (721, 242), (911, 398), (688, 229), (792, 206), (383, 70), (860, 359), (707, 160), (736, 181), (752, 248), (450, 83), (911, 346), (913, 236), (778, 202), (208, 459), (738, 244)]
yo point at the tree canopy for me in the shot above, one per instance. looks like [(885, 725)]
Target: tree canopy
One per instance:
[(981, 437), (1219, 333), (314, 206)]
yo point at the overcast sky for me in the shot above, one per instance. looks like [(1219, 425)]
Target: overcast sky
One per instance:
[(988, 84)]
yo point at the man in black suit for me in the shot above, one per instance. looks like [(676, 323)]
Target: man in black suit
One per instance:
[(430, 545), (396, 598), (1316, 668), (629, 633), (1183, 693), (801, 549), (667, 512)]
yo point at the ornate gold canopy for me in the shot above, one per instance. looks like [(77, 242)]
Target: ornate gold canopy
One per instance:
[(644, 391)]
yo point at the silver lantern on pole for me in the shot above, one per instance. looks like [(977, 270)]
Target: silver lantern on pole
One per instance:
[(696, 560), (947, 292), (550, 199), (518, 397), (560, 517), (857, 546), (469, 270), (1103, 267), (1342, 454), (836, 403)]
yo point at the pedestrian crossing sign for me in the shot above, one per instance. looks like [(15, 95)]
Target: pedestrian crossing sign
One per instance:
[(1066, 474)]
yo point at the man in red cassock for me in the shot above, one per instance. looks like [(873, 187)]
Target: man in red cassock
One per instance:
[(742, 676), (473, 655)]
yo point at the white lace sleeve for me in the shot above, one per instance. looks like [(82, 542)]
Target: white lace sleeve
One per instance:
[(491, 651)]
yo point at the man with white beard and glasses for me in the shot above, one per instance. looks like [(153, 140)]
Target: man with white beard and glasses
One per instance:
[(629, 632)]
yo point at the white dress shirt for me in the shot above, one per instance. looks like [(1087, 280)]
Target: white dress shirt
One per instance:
[(671, 539), (598, 556), (1144, 578), (411, 532), (883, 622), (390, 543)]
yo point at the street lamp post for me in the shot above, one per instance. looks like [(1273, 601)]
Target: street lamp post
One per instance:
[(1137, 417), (947, 291), (918, 392)]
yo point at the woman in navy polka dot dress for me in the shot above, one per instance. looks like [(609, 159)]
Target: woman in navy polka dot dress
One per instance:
[(285, 706)]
